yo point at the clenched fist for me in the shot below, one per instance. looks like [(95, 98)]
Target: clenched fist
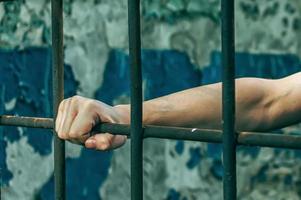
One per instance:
[(78, 115)]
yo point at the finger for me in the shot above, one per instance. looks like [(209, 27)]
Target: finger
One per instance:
[(59, 117), (64, 115), (65, 107), (105, 141), (71, 113), (82, 125)]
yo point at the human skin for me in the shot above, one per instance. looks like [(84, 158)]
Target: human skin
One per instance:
[(261, 105)]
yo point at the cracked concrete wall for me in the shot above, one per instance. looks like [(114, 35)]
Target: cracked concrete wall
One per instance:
[(93, 28)]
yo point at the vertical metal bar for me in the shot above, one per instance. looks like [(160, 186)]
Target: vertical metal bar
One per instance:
[(136, 100), (229, 136), (2, 149), (58, 94)]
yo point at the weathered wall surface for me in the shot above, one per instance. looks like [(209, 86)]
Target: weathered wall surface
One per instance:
[(173, 170)]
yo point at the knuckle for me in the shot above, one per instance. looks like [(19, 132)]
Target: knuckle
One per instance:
[(61, 135), (73, 134), (74, 99), (89, 105), (62, 105), (77, 97), (67, 101)]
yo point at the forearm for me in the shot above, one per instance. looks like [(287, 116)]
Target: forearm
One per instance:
[(196, 107), (261, 105), (201, 107)]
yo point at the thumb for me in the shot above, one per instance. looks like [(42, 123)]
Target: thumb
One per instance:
[(105, 141)]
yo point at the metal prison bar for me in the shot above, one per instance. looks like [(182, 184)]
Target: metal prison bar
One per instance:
[(58, 94), (228, 100), (136, 131), (167, 132), (136, 100)]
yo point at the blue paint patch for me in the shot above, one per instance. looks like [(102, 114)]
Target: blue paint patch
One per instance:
[(246, 150), (195, 157), (167, 72), (261, 176), (253, 65), (115, 79), (297, 154), (164, 72), (84, 176), (217, 169), (173, 195), (28, 80), (288, 180), (214, 151), (180, 147), (26, 77)]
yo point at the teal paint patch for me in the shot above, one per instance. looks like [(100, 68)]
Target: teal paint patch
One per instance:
[(172, 10)]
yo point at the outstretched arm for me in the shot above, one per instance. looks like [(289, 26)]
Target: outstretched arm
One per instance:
[(261, 104)]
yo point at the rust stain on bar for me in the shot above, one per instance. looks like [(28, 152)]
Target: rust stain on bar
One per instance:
[(269, 140), (167, 132), (31, 122)]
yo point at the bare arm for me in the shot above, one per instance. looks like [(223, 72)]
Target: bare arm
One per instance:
[(261, 104)]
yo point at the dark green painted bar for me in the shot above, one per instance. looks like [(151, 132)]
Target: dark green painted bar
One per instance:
[(261, 139), (136, 100), (228, 100), (58, 95)]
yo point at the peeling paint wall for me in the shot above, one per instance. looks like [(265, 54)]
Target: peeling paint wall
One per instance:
[(93, 28), (190, 26)]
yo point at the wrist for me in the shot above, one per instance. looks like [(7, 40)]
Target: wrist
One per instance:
[(155, 112), (125, 113), (149, 115)]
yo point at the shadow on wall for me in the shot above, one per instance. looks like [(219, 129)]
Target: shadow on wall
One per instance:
[(25, 88)]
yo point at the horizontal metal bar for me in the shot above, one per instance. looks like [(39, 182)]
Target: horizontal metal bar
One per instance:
[(175, 133), (30, 122)]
